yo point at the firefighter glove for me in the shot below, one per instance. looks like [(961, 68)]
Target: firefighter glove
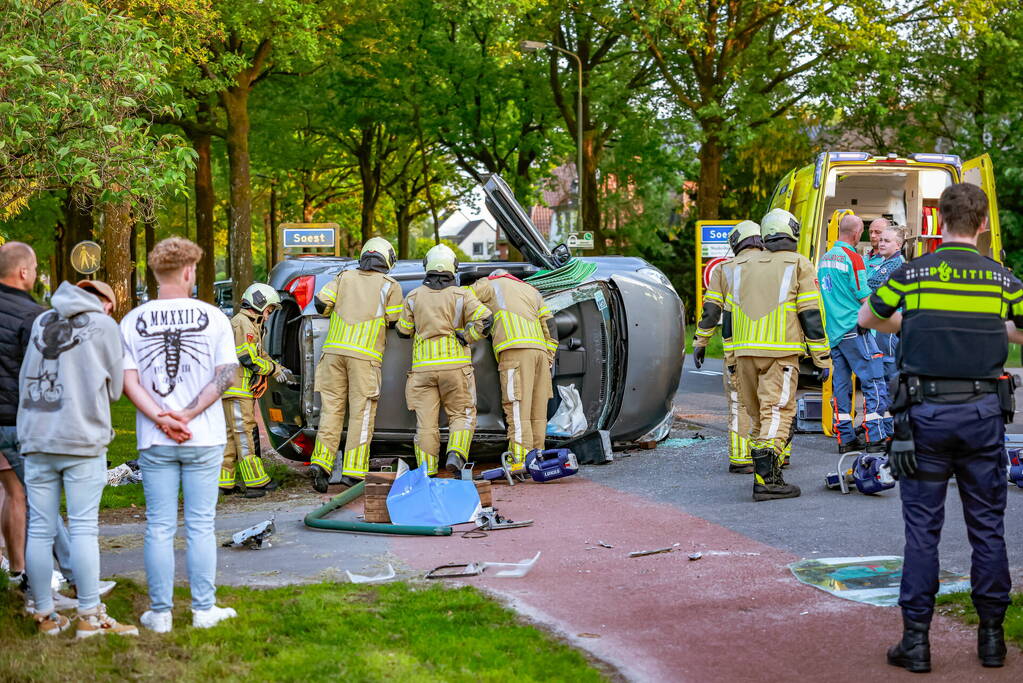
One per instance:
[(823, 374), (460, 336), (285, 375), (699, 353)]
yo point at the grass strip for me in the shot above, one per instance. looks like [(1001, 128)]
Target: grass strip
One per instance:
[(318, 632), (960, 606)]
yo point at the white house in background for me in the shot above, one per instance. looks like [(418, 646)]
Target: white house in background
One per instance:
[(477, 237)]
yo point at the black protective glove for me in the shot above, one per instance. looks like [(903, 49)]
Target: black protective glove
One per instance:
[(699, 353), (902, 460), (823, 374), (460, 336)]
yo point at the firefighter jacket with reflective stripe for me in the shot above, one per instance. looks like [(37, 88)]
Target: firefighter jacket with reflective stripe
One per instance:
[(773, 304), (360, 303), (520, 314), (713, 307), (432, 316), (252, 359), (954, 306)]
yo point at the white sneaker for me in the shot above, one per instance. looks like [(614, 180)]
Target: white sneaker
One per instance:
[(159, 622), (205, 618), (105, 587)]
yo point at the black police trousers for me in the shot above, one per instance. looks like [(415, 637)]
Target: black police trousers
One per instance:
[(968, 440)]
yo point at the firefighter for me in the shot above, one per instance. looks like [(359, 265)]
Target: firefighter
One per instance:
[(442, 319), (745, 235), (525, 341), (772, 305), (361, 303), (254, 367)]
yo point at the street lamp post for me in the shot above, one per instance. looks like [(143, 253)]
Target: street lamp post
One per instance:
[(533, 46)]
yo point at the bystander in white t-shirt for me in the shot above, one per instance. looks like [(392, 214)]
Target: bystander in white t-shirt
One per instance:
[(175, 345)]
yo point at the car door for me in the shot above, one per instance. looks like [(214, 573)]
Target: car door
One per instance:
[(980, 171), (519, 229)]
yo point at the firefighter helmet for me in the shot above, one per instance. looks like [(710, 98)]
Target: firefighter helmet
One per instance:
[(740, 233), (259, 297), (381, 247), (440, 259), (779, 223)]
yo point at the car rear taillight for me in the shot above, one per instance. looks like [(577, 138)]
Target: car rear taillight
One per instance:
[(303, 444), (302, 288)]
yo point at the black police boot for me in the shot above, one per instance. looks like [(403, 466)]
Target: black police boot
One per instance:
[(454, 464), (768, 483), (991, 643), (321, 478), (913, 652)]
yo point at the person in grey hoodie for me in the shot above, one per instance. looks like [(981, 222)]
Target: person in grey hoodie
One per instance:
[(73, 369)]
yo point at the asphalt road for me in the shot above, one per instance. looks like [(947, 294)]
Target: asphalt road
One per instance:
[(821, 523)]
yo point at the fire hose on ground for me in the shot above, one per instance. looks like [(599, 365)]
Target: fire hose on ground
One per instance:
[(315, 519)]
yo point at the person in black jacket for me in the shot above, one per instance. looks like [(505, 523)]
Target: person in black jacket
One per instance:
[(18, 310)]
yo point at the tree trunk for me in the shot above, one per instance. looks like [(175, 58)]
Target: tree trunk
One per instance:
[(708, 196), (78, 226), (204, 202), (134, 257), (370, 185), (235, 101), (273, 247), (402, 219), (267, 254), (117, 233), (152, 289), (590, 195)]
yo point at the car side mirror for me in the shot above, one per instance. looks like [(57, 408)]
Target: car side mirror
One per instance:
[(561, 254)]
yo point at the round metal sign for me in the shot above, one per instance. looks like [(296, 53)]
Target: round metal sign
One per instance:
[(85, 257)]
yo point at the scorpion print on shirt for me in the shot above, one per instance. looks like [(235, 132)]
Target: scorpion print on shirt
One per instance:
[(175, 346), (54, 336), (171, 343)]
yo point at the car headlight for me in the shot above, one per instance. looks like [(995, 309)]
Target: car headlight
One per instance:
[(654, 275)]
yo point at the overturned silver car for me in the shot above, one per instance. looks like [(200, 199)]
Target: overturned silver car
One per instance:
[(620, 329)]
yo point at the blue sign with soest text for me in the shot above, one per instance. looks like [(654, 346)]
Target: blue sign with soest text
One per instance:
[(715, 233), (306, 238)]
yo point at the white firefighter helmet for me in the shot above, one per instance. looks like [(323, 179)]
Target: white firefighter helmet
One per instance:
[(259, 297), (741, 232), (779, 223), (440, 259), (381, 247)]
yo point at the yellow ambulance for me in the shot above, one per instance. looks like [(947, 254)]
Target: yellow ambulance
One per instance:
[(904, 189)]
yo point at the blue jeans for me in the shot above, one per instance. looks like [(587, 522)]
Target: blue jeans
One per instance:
[(11, 448), (965, 439), (195, 470), (859, 355), (82, 479)]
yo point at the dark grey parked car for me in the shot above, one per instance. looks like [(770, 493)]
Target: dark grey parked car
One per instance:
[(621, 335)]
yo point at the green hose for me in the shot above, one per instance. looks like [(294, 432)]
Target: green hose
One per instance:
[(315, 519), (571, 274)]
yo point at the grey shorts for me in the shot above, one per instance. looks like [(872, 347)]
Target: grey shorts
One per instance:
[(10, 452)]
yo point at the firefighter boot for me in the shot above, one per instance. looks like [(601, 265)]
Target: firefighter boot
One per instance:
[(913, 652), (321, 478), (455, 463), (991, 643), (768, 483)]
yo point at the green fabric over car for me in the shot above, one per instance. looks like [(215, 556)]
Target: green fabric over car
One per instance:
[(571, 274)]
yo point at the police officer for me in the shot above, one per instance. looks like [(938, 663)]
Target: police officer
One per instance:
[(525, 341), (361, 303), (745, 235), (442, 319), (771, 311), (950, 414), (239, 401)]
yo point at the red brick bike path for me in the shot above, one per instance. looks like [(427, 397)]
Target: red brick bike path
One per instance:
[(736, 614)]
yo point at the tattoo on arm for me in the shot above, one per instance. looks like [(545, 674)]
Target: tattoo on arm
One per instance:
[(223, 377)]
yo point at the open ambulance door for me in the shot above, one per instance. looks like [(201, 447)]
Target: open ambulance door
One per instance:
[(980, 171), (711, 251), (782, 197)]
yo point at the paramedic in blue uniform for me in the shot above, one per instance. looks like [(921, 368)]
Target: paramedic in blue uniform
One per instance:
[(959, 310)]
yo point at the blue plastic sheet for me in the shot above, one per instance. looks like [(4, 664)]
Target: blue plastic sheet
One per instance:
[(418, 500)]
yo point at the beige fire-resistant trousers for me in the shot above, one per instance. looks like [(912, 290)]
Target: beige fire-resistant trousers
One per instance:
[(767, 388), (454, 389), (344, 383), (525, 390)]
